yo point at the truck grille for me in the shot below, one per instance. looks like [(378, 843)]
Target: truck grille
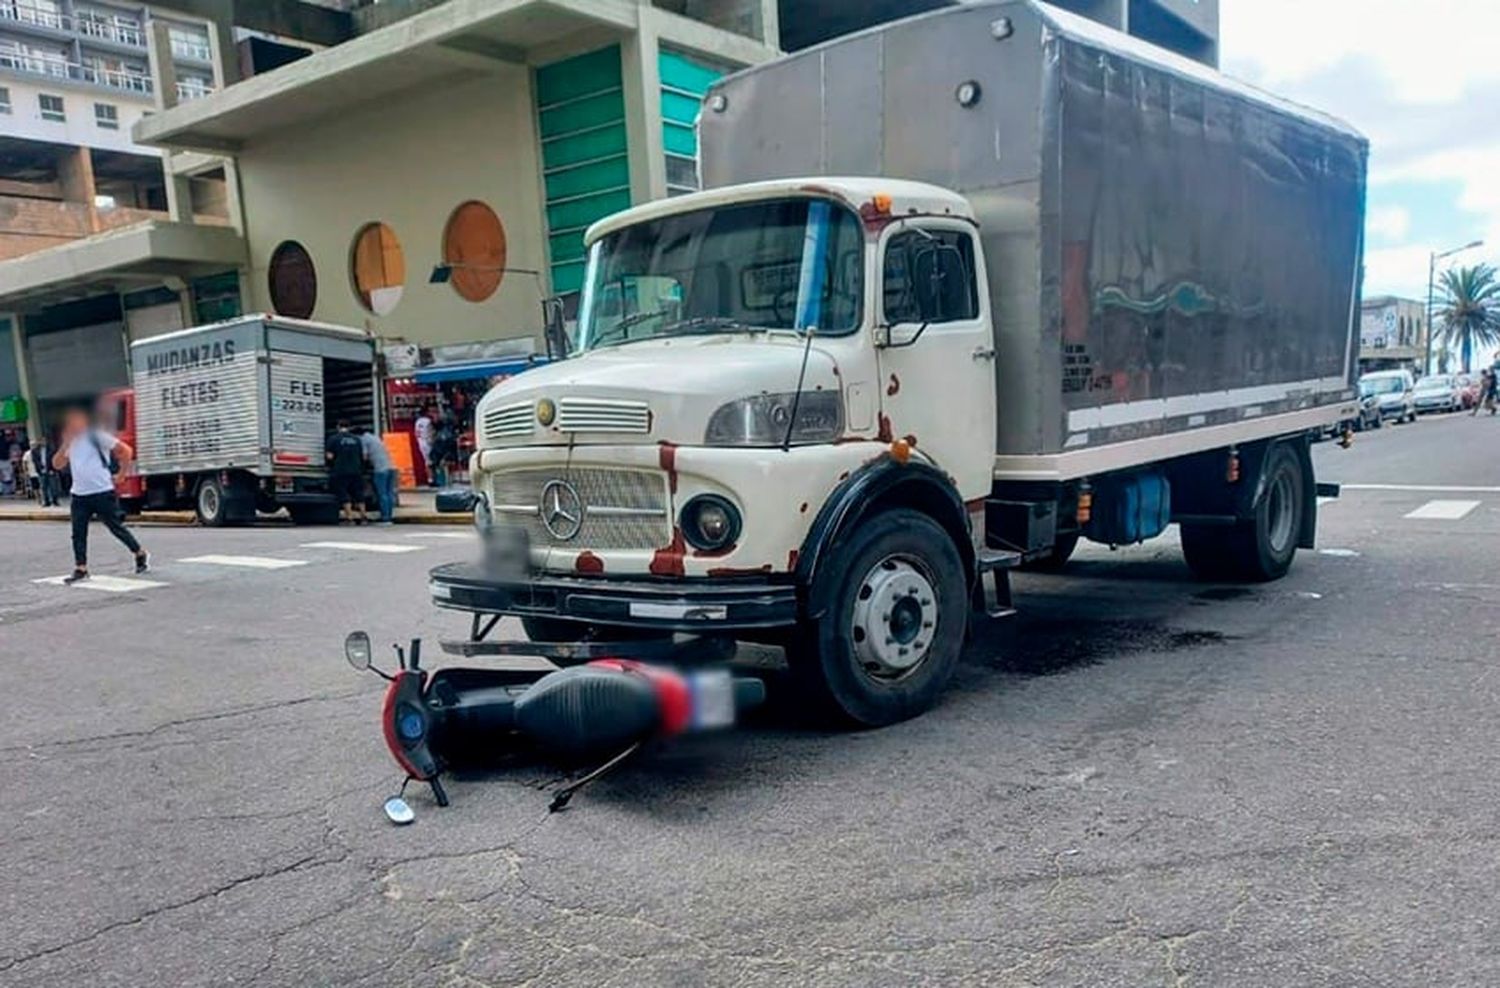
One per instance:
[(621, 509), (603, 415), (508, 421)]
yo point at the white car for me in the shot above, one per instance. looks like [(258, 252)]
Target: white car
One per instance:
[(1394, 391), (1438, 393)]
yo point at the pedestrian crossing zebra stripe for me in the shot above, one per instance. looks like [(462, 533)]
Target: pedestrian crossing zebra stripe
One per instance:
[(105, 584), (1443, 510), (386, 547), (246, 562)]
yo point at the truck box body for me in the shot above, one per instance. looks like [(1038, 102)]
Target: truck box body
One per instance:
[(1169, 250), (257, 394)]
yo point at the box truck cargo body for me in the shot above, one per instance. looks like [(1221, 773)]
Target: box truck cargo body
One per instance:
[(1168, 250), (963, 290), (232, 417)]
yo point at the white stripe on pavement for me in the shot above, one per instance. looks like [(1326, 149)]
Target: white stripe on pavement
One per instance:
[(1326, 500), (1443, 510), (363, 546), (441, 535), (1420, 488), (108, 584), (248, 562)]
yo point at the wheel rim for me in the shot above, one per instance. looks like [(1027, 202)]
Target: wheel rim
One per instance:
[(208, 501), (1282, 511), (895, 618)]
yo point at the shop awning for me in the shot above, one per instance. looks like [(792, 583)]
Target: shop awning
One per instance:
[(474, 370)]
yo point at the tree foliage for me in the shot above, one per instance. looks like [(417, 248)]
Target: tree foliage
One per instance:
[(1470, 310)]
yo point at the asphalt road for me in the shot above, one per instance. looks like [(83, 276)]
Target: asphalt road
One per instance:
[(1140, 781)]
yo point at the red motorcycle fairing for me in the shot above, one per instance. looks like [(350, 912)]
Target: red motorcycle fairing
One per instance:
[(407, 725)]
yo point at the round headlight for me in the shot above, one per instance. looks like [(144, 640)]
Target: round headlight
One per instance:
[(546, 411), (710, 523)]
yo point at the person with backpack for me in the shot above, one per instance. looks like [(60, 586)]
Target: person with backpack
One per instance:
[(94, 456)]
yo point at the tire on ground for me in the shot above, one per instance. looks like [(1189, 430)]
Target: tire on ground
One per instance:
[(210, 504), (825, 658), (1260, 548)]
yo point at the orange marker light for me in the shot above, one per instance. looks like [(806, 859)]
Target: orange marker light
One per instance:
[(901, 451), (1085, 507), (882, 203)]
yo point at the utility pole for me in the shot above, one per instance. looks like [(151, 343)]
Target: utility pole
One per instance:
[(1432, 260)]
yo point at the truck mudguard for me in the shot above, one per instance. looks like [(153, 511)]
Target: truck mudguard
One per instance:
[(882, 484)]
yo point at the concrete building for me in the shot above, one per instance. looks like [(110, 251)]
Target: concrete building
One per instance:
[(1392, 334), (87, 214)]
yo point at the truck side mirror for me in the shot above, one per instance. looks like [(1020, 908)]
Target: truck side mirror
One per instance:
[(554, 329)]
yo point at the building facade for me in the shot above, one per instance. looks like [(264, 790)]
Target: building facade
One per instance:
[(1392, 334)]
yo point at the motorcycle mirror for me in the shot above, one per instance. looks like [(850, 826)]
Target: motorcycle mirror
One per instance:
[(398, 811), (357, 650)]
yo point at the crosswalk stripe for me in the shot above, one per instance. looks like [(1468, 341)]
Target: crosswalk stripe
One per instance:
[(1443, 510), (363, 546), (1326, 500), (440, 535), (107, 584), (248, 562), (1421, 488)]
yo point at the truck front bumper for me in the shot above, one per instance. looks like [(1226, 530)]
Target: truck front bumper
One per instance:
[(696, 606)]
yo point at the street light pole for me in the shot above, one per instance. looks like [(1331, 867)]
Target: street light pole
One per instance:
[(1432, 260)]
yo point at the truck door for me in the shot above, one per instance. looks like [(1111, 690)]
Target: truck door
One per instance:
[(937, 363)]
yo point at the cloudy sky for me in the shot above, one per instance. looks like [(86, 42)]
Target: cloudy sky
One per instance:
[(1421, 79)]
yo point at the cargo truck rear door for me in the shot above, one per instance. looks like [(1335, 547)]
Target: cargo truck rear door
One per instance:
[(937, 349)]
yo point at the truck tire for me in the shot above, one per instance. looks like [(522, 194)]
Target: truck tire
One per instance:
[(1262, 547), (211, 504), (1062, 551), (893, 599)]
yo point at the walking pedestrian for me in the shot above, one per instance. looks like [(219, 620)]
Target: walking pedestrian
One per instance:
[(91, 454), (41, 455), (346, 473), (383, 474), (424, 428), (33, 477)]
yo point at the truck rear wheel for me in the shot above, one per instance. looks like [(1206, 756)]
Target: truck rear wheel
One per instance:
[(211, 505), (893, 600), (1260, 548)]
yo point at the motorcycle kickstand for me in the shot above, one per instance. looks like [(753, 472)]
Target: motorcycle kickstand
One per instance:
[(565, 794)]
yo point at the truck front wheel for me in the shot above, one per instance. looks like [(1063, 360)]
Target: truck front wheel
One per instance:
[(211, 506), (1259, 548), (893, 609)]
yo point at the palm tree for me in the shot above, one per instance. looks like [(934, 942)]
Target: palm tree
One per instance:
[(1470, 312)]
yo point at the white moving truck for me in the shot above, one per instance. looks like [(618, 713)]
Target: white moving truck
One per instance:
[(231, 418), (1082, 288)]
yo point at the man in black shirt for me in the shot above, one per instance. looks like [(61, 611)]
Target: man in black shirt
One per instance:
[(346, 469)]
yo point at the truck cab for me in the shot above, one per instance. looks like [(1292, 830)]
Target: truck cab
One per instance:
[(754, 372)]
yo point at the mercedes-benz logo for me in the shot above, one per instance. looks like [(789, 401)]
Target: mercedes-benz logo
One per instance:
[(562, 510)]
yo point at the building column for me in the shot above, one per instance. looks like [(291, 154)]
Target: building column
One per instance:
[(18, 339), (770, 23), (641, 78), (75, 178)]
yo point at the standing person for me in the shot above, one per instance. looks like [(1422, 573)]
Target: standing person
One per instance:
[(423, 429), (41, 456), (87, 451), (382, 474), (346, 472), (33, 475), (1485, 379)]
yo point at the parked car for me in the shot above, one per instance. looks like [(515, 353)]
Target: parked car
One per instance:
[(1438, 393), (1393, 391)]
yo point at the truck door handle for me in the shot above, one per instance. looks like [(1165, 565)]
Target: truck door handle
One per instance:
[(984, 353)]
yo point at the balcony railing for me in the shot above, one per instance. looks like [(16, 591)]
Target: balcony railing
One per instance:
[(29, 13), (196, 50), (56, 67), (193, 90), (124, 34)]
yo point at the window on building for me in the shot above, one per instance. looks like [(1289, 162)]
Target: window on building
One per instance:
[(378, 268), (189, 43), (293, 281), (474, 243), (4, 100), (106, 116), (52, 108), (112, 25), (684, 81)]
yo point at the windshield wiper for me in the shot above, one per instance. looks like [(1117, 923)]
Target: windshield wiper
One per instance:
[(682, 327)]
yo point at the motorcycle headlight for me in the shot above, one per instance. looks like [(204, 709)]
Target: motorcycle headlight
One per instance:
[(762, 420)]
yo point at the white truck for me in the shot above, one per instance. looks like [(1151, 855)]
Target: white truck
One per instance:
[(1091, 289), (231, 418)]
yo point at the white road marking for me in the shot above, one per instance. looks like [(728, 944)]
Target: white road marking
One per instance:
[(108, 584), (1326, 500), (441, 535), (1421, 488), (248, 562), (1344, 553), (1443, 510), (363, 546)]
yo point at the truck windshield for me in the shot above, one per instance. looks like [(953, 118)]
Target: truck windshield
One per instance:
[(792, 264)]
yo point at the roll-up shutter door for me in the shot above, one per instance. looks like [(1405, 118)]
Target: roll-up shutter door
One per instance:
[(77, 363)]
